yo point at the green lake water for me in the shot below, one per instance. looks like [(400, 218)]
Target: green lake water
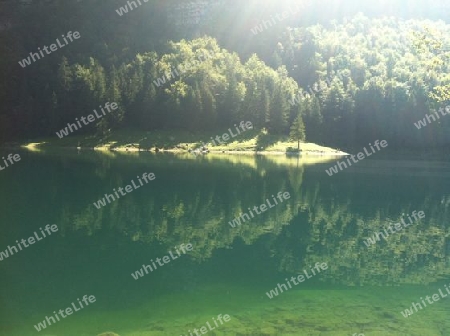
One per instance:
[(229, 270)]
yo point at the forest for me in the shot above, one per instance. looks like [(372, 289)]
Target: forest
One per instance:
[(345, 82)]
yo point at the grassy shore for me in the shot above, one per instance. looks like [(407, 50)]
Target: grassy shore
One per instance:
[(249, 142)]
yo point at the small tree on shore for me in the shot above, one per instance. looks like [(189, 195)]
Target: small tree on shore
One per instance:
[(298, 131)]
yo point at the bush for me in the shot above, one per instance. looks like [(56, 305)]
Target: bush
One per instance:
[(292, 150)]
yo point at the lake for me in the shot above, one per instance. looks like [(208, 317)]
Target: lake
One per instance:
[(102, 251)]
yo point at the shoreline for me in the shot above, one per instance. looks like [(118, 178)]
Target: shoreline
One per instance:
[(251, 142), (122, 149), (163, 143)]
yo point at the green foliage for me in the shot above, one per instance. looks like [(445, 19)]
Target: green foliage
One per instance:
[(298, 131), (364, 78), (393, 73)]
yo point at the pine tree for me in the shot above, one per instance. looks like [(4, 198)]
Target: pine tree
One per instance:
[(298, 131)]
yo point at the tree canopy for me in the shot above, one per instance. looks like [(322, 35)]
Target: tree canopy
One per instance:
[(348, 82)]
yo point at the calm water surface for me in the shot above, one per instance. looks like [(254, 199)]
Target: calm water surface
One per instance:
[(229, 270)]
